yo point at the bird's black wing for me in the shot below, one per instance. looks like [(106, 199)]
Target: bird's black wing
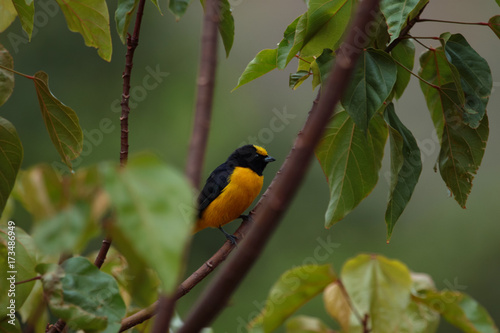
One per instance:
[(216, 182)]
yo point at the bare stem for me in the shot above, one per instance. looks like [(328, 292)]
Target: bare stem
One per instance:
[(204, 98), (29, 280), (452, 22), (269, 211)]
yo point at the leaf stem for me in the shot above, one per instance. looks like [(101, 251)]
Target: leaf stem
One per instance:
[(405, 31), (348, 299), (452, 22), (300, 58), (29, 280), (417, 76), (16, 72)]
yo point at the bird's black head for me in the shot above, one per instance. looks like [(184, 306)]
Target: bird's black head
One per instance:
[(250, 156)]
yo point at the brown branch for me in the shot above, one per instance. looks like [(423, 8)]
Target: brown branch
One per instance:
[(204, 98), (132, 42), (452, 22), (286, 183), (188, 284), (101, 256)]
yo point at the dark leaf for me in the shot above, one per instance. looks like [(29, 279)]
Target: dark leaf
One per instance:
[(178, 7), (370, 85), (6, 77), (406, 166), (396, 14), (351, 159), (123, 15), (475, 76), (404, 53), (296, 79), (11, 157), (494, 24), (324, 65), (286, 44)]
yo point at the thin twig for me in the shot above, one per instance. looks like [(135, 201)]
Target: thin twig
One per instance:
[(452, 22), (132, 42), (196, 277), (101, 256), (284, 186), (416, 75), (29, 280), (204, 98)]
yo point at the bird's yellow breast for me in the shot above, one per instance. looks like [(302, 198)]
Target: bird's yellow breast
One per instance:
[(243, 187)]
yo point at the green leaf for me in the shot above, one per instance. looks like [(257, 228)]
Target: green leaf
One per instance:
[(296, 79), (293, 289), (498, 2), (324, 63), (83, 296), (326, 23), (379, 287), (154, 214), (11, 157), (24, 263), (306, 324), (494, 24), (226, 25), (62, 232), (8, 325), (6, 77), (178, 7), (264, 62), (123, 15), (26, 12), (350, 159), (396, 14), (61, 121), (90, 18), (462, 148), (286, 44), (370, 85), (475, 76), (436, 70), (7, 14), (406, 166), (155, 2), (458, 309), (404, 53)]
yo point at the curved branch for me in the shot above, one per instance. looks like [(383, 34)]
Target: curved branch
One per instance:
[(188, 284), (204, 98), (286, 183)]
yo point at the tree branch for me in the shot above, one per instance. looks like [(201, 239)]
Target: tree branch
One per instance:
[(204, 98), (286, 183), (188, 284)]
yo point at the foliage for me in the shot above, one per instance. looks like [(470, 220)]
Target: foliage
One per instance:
[(147, 207)]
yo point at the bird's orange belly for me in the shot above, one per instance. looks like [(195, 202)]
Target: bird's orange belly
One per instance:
[(244, 186)]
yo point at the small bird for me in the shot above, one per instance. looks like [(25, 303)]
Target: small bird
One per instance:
[(231, 188)]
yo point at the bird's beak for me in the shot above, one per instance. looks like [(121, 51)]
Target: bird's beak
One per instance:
[(269, 159)]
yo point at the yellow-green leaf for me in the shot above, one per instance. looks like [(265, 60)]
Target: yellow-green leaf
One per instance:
[(294, 288), (26, 12), (90, 18), (264, 62), (7, 14)]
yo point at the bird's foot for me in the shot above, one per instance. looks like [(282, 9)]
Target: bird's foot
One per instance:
[(229, 237)]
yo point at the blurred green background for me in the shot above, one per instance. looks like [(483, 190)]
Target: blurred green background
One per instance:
[(458, 248)]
